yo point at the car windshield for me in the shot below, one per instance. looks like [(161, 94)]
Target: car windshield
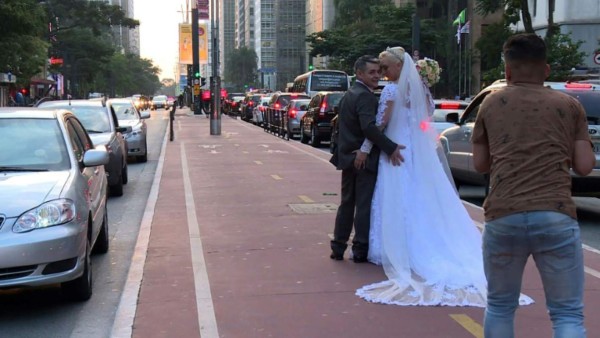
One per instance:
[(590, 101), (298, 104), (124, 111), (159, 98), (334, 99), (32, 145), (94, 118)]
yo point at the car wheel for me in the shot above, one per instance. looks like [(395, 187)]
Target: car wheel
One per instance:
[(117, 189), (102, 242), (124, 173), (144, 158), (303, 137), (314, 139), (80, 289)]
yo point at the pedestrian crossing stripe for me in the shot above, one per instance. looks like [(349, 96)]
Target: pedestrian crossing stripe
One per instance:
[(258, 162), (468, 324), (276, 177)]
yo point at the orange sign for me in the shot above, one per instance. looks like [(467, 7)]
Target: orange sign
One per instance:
[(185, 43), (203, 42)]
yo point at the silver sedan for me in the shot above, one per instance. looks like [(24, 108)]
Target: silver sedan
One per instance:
[(52, 201), (129, 116)]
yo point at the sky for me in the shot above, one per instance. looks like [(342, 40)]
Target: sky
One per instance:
[(159, 32)]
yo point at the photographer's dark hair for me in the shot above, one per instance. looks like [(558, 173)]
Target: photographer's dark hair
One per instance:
[(525, 48), (361, 62)]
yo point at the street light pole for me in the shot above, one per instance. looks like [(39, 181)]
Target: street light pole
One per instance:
[(215, 115), (195, 59)]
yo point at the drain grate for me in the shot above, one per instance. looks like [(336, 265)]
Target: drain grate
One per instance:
[(314, 208)]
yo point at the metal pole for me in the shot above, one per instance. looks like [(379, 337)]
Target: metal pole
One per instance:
[(215, 116), (195, 59)]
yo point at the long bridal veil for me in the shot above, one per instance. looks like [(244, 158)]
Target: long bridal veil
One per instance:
[(431, 249)]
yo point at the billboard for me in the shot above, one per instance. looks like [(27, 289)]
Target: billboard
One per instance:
[(203, 43), (185, 43), (202, 6)]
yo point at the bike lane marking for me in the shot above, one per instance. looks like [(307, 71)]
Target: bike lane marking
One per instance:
[(276, 177), (204, 302), (305, 199)]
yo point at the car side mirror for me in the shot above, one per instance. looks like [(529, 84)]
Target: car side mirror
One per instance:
[(452, 117), (124, 130)]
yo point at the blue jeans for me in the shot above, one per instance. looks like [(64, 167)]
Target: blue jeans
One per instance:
[(553, 240)]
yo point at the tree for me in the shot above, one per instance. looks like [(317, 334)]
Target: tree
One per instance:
[(563, 53), (386, 26), (23, 40), (241, 68), (353, 11)]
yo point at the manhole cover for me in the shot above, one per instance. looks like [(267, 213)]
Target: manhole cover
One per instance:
[(314, 208)]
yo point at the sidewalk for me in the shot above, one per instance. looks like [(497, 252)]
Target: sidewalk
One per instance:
[(238, 246)]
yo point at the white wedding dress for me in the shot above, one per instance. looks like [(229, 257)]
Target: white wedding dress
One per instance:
[(421, 233)]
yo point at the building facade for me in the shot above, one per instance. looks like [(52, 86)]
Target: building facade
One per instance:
[(265, 42), (227, 36), (581, 19), (320, 15), (291, 44)]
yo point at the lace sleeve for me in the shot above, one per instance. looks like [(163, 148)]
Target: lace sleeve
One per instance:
[(387, 95)]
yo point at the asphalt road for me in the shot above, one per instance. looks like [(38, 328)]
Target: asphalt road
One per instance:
[(42, 312)]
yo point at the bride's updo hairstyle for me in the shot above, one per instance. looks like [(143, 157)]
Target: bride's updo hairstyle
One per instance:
[(394, 52)]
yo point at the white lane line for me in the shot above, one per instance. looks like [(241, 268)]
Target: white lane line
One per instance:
[(204, 303), (125, 315)]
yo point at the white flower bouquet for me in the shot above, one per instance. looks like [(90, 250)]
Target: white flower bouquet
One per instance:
[(429, 70)]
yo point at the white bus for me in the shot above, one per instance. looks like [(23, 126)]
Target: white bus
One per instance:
[(321, 80)]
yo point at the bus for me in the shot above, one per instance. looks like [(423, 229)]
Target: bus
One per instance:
[(321, 80)]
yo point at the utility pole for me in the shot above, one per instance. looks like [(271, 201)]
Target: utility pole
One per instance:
[(215, 114), (196, 59)]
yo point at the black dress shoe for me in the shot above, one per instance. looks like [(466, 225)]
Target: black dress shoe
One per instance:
[(336, 256), (360, 259)]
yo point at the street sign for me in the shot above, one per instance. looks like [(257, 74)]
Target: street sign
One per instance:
[(597, 58), (196, 89), (56, 61)]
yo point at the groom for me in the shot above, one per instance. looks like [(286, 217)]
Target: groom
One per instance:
[(356, 121)]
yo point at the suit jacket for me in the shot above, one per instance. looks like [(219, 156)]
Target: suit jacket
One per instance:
[(356, 121)]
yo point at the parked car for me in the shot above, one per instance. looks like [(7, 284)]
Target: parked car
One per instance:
[(250, 101), (52, 201), (259, 110), (228, 100), (235, 104), (129, 116), (103, 126), (159, 101), (457, 144), (141, 102), (315, 125), (274, 111), (292, 114), (442, 109)]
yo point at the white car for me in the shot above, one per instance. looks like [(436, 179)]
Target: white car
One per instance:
[(129, 116), (52, 201)]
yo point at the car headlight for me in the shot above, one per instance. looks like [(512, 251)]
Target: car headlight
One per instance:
[(46, 215)]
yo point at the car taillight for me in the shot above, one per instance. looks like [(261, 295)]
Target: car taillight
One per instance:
[(277, 105), (323, 109), (572, 85), (251, 103), (261, 108), (292, 113), (449, 105), (233, 103)]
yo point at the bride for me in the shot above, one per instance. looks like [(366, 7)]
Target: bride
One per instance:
[(420, 231)]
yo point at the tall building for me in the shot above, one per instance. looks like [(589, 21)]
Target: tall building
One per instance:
[(291, 44), (320, 15), (249, 22), (265, 42), (226, 31), (240, 23), (122, 35)]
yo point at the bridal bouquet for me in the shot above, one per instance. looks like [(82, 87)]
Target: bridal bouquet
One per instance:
[(429, 70)]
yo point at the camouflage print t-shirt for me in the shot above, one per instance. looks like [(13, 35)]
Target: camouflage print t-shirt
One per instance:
[(531, 132)]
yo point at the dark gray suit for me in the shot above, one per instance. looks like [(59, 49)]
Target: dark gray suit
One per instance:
[(356, 121)]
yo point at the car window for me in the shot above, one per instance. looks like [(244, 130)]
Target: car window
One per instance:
[(124, 111), (298, 104), (93, 118), (470, 114), (334, 99), (590, 102), (83, 136), (76, 144), (33, 144)]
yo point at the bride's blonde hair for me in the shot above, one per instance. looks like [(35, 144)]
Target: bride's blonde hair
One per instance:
[(395, 52)]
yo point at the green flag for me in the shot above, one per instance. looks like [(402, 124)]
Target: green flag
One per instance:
[(460, 19)]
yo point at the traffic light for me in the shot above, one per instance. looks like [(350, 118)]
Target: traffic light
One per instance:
[(202, 81), (197, 75), (311, 67)]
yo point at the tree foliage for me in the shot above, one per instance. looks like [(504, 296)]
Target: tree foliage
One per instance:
[(385, 26), (22, 42), (241, 68)]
